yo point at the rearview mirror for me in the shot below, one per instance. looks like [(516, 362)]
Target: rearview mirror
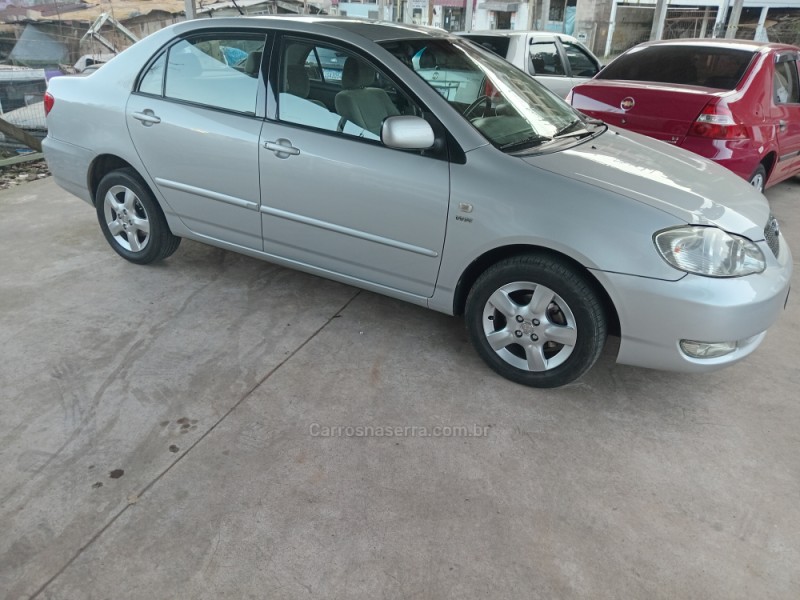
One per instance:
[(407, 133)]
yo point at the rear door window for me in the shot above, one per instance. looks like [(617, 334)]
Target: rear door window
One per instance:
[(545, 59), (220, 71)]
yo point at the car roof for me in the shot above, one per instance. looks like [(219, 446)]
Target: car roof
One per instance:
[(750, 45), (375, 31), (514, 33)]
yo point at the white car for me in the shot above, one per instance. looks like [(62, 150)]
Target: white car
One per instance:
[(556, 60)]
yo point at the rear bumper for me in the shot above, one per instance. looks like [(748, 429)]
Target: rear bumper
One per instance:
[(655, 315), (69, 165), (739, 156)]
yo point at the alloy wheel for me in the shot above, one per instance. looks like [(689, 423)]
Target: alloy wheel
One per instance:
[(127, 218), (529, 326)]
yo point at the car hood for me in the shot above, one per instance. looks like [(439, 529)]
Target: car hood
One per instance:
[(671, 179)]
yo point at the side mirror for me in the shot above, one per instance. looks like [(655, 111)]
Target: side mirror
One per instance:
[(407, 133)]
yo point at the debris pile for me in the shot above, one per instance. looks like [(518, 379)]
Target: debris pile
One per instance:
[(14, 175)]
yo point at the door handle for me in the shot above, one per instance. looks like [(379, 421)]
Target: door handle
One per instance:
[(781, 125), (147, 117), (282, 148)]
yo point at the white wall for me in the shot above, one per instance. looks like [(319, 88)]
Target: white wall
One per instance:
[(362, 11)]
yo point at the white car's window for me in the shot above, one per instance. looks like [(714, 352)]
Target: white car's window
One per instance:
[(494, 43), (334, 89), (153, 80), (580, 63), (513, 111), (785, 83), (221, 72), (545, 59)]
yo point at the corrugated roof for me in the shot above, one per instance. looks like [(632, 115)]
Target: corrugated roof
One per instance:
[(123, 9)]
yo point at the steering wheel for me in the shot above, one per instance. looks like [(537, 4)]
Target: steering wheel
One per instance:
[(484, 101)]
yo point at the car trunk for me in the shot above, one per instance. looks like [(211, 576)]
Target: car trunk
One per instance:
[(660, 110)]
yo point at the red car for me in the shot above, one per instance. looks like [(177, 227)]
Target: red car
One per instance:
[(735, 102)]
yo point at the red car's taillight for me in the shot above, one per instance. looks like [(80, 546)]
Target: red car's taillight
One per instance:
[(717, 122), (49, 100)]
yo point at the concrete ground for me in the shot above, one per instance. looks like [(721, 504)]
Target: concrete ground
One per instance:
[(161, 436)]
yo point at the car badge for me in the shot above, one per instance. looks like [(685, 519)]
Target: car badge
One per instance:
[(627, 103), (774, 227)]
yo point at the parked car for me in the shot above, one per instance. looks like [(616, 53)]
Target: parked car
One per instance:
[(735, 102), (556, 60), (546, 229)]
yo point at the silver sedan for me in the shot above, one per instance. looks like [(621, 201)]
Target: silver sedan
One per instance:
[(316, 144)]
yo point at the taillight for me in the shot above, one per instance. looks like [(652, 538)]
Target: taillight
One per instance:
[(717, 122), (49, 101), (569, 97)]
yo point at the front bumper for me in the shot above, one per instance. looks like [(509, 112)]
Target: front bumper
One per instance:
[(655, 315)]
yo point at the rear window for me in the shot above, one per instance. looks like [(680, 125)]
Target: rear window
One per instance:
[(720, 68), (496, 43)]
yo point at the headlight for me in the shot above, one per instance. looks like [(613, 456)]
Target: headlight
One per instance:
[(709, 251)]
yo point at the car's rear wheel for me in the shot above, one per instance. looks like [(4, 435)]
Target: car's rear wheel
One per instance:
[(759, 178), (536, 320), (131, 219)]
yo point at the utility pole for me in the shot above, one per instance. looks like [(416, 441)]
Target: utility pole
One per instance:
[(657, 32), (733, 23), (545, 14), (722, 14), (468, 15)]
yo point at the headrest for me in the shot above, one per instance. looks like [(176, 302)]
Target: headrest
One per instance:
[(297, 82), (356, 74), (427, 60)]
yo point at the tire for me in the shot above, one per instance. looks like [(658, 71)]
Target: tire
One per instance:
[(132, 220), (759, 178), (536, 320)]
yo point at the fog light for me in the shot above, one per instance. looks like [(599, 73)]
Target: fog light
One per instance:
[(707, 349)]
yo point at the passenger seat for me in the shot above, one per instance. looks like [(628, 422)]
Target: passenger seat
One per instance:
[(360, 104)]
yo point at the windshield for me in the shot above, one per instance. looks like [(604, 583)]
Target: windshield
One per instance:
[(510, 109)]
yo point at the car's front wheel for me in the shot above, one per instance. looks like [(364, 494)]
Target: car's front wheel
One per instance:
[(131, 219), (536, 320)]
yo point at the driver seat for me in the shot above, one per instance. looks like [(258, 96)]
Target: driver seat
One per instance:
[(364, 106)]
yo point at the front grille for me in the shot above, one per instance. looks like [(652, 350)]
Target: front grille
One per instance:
[(772, 234)]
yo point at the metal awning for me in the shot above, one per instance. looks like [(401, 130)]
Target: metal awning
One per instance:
[(499, 6), (451, 3)]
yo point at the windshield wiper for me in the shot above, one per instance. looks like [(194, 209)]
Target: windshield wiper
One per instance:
[(529, 141), (565, 131)]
